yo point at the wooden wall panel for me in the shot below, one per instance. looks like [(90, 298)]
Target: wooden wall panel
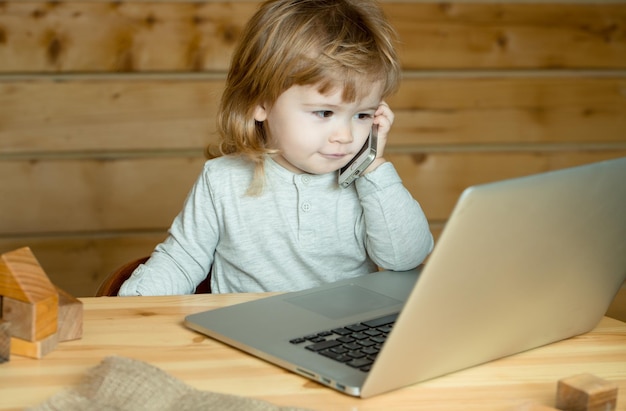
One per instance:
[(106, 106), (437, 179), (112, 36), (510, 109), (509, 34), (94, 195), (133, 36), (76, 196), (151, 114), (79, 263), (109, 114)]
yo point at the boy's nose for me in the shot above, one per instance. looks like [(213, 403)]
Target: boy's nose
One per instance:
[(342, 135)]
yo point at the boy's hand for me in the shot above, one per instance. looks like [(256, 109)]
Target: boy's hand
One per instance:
[(384, 118)]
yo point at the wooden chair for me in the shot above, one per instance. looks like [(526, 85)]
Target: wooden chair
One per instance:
[(111, 285)]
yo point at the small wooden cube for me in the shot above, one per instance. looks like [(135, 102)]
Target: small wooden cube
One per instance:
[(70, 317), (31, 321), (5, 341), (586, 392), (34, 349)]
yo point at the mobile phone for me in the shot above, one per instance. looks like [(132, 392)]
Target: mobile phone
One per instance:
[(362, 160)]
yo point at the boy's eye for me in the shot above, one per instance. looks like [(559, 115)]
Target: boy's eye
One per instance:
[(323, 113), (364, 116)]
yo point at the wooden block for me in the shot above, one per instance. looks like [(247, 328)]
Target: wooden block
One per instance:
[(31, 322), (70, 317), (23, 280), (586, 392), (5, 341), (33, 349)]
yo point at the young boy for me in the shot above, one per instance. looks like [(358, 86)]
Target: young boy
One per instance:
[(307, 82)]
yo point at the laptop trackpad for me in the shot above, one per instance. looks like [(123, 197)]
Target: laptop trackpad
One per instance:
[(343, 301)]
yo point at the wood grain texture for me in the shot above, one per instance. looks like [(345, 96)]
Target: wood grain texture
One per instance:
[(509, 110), (101, 115), (150, 117), (34, 349), (586, 392), (149, 329), (78, 262), (96, 195), (70, 325), (147, 194), (22, 278), (30, 301), (506, 35), (31, 321), (144, 36), (437, 180), (132, 36)]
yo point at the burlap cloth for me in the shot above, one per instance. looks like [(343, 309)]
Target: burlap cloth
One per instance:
[(122, 384)]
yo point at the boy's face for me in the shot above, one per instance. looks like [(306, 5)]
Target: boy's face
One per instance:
[(318, 133)]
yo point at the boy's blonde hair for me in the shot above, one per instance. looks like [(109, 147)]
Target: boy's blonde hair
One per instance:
[(334, 44)]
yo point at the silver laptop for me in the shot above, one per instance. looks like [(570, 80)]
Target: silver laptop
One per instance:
[(521, 263)]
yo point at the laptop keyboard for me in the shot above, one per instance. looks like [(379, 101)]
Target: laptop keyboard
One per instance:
[(355, 345)]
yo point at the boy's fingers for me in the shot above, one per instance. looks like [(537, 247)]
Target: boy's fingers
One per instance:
[(384, 111)]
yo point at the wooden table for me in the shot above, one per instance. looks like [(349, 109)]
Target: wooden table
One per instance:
[(150, 329)]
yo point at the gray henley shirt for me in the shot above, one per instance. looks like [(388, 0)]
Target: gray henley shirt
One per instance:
[(302, 231)]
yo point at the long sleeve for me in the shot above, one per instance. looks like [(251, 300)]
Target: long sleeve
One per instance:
[(302, 231), (184, 259), (397, 232)]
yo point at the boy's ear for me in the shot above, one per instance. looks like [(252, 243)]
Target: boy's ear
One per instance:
[(260, 113)]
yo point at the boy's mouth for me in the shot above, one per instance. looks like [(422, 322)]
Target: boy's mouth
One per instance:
[(334, 156)]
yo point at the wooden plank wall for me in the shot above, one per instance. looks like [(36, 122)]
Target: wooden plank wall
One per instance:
[(106, 106)]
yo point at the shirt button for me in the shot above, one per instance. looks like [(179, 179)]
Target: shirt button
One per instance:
[(306, 179), (306, 206)]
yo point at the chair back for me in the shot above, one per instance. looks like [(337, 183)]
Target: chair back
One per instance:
[(112, 284)]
